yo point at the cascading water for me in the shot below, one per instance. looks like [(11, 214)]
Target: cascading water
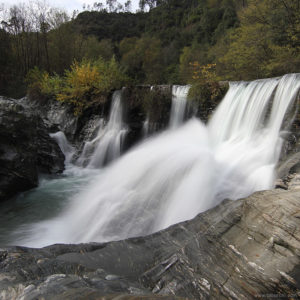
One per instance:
[(106, 146), (168, 179), (179, 99), (180, 173), (67, 149), (146, 127)]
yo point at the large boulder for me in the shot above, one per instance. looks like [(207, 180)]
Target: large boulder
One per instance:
[(26, 149), (244, 249)]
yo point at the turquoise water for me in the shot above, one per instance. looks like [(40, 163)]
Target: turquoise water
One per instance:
[(42, 203)]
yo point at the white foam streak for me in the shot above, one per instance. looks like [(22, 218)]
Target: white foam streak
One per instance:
[(66, 148), (179, 100), (106, 146)]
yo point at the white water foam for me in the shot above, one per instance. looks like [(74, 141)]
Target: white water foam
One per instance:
[(179, 100), (66, 148), (106, 146)]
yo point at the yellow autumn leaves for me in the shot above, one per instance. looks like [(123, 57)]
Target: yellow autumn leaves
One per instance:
[(82, 85), (205, 85)]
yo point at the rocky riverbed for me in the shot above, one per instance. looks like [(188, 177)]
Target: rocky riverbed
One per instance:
[(244, 249)]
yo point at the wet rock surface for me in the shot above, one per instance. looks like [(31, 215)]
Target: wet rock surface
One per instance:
[(26, 149), (241, 249), (146, 110), (58, 116), (145, 102)]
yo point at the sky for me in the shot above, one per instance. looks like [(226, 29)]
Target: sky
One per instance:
[(69, 5)]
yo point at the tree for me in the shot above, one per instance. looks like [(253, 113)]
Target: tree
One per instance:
[(142, 59), (98, 6), (267, 43), (196, 52), (112, 4), (56, 18), (143, 4), (90, 81), (127, 6), (93, 49)]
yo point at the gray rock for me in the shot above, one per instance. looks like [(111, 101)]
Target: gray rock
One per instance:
[(279, 184), (240, 249), (25, 149), (58, 116)]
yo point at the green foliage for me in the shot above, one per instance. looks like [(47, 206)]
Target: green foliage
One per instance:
[(150, 45), (41, 85), (247, 39), (34, 79), (51, 85), (266, 44), (189, 55), (205, 85), (90, 81), (115, 26), (94, 48), (142, 59), (85, 83)]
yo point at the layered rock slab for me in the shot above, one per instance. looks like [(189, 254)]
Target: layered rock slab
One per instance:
[(244, 249)]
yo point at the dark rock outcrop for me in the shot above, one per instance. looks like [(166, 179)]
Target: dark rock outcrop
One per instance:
[(144, 102), (26, 149), (244, 249)]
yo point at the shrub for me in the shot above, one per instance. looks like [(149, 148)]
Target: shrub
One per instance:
[(85, 83), (205, 85), (90, 81), (34, 80), (40, 85), (51, 85)]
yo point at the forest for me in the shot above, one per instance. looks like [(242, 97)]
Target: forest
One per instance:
[(45, 51)]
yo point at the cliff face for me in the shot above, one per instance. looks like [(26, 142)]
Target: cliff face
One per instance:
[(242, 249)]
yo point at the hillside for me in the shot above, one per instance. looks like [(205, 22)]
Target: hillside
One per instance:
[(241, 39)]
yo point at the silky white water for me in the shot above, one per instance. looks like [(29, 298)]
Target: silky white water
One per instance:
[(181, 172), (66, 148), (179, 101), (106, 146)]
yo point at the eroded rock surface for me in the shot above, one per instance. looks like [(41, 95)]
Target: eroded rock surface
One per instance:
[(25, 149), (241, 249)]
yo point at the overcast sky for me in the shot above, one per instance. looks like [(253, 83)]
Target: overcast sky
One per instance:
[(68, 5)]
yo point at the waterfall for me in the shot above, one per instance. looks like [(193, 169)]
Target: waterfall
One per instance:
[(66, 148), (106, 146), (146, 127), (176, 175), (179, 99)]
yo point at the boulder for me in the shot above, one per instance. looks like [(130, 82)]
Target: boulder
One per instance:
[(26, 149), (244, 249)]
